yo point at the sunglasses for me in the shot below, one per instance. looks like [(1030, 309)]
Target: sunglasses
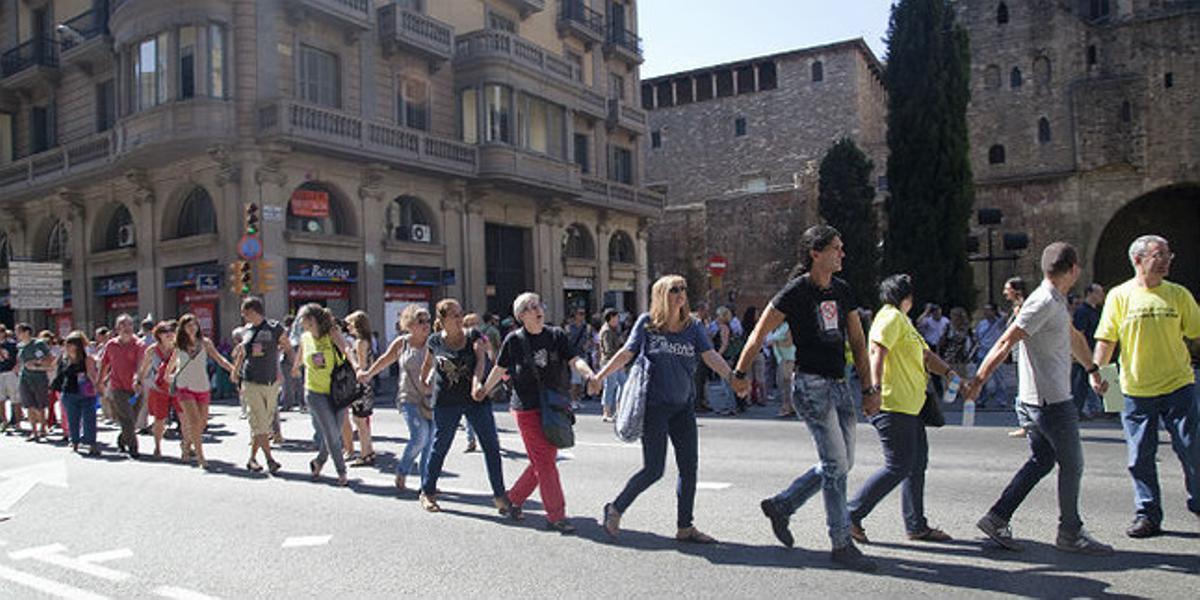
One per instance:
[(679, 289)]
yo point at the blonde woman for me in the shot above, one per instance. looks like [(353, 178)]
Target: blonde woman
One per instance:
[(359, 328), (674, 343)]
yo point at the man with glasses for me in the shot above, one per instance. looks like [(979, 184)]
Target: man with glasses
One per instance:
[(1149, 317)]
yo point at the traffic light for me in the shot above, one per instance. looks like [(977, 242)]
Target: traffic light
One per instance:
[(245, 277), (265, 278), (251, 219), (234, 278)]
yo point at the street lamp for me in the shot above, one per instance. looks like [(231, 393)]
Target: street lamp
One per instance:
[(1012, 242)]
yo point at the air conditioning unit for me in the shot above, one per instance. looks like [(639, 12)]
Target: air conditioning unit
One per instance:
[(421, 233), (125, 237)]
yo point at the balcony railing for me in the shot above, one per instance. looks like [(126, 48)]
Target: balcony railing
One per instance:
[(355, 13), (492, 43), (576, 17), (41, 51), (416, 32), (85, 154), (335, 130), (624, 42), (87, 26), (607, 191)]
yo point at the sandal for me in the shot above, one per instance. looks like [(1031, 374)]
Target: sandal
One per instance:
[(342, 480), (507, 509), (253, 466), (429, 503), (273, 467), (611, 520), (315, 469), (693, 535), (365, 460), (563, 526)]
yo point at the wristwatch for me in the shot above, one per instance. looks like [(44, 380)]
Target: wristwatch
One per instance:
[(739, 375), (1095, 368), (871, 390)]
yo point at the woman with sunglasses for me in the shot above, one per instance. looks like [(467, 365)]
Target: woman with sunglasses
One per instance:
[(153, 371), (673, 342), (412, 395)]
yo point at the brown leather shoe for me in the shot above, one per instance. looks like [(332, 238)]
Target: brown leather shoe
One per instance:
[(858, 534), (930, 535)]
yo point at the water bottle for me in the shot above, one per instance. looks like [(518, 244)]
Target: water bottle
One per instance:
[(969, 413), (952, 389)]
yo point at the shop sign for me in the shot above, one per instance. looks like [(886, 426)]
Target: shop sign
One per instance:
[(318, 292), (117, 285), (193, 297), (408, 275), (201, 276), (310, 203), (407, 294), (577, 283), (121, 303), (315, 270)]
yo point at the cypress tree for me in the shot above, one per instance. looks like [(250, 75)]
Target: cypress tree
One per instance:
[(929, 170), (845, 202)]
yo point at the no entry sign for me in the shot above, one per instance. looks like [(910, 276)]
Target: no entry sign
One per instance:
[(717, 265)]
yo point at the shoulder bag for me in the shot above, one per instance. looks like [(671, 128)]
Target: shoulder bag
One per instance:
[(631, 402), (344, 388), (558, 422)]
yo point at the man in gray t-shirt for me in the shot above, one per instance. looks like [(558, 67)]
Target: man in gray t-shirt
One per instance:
[(1046, 340), (256, 366)]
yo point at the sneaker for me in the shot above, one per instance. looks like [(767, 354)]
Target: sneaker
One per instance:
[(999, 531), (1082, 543), (851, 557), (1143, 527), (779, 522)]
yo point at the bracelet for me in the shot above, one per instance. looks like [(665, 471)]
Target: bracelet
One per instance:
[(871, 390), (1095, 369)]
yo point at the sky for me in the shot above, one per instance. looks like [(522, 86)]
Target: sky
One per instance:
[(687, 34)]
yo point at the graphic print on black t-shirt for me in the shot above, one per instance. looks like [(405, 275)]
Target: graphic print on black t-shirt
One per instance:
[(536, 361), (817, 319), (454, 369)]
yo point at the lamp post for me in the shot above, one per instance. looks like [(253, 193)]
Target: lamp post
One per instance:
[(1012, 242)]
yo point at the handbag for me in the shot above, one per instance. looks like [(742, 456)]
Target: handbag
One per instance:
[(931, 411), (631, 402), (344, 388), (558, 422), (720, 396)]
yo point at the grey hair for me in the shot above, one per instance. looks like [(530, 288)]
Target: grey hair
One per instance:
[(524, 302), (1140, 245)]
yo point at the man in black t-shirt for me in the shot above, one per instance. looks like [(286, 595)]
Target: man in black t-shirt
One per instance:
[(256, 366), (8, 381), (822, 314)]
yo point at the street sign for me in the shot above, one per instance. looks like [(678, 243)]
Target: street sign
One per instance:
[(35, 286), (272, 213), (207, 283), (250, 248), (717, 265)]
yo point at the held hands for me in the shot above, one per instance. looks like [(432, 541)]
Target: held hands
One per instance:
[(478, 394), (1099, 384), (741, 387), (593, 385), (970, 389), (871, 403), (363, 377)]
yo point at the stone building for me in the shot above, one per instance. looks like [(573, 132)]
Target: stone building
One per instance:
[(1085, 126), (735, 147), (399, 151)]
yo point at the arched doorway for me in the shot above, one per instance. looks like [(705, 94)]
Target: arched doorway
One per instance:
[(1172, 212)]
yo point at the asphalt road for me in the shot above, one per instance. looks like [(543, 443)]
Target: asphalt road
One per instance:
[(115, 528)]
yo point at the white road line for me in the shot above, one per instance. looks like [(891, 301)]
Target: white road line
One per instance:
[(99, 557), (36, 551), (609, 445), (713, 485), (47, 586), (178, 593), (306, 540), (463, 491), (52, 555), (566, 455)]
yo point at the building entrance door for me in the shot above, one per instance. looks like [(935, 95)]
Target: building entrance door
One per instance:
[(508, 253)]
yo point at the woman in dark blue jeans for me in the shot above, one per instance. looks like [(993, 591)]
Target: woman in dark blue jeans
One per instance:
[(673, 343), (76, 381)]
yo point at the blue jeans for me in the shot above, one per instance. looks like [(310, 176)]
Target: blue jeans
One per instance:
[(445, 425), (678, 423), (1053, 438), (81, 416), (905, 454), (612, 389), (420, 439), (827, 407), (327, 427), (1180, 416)]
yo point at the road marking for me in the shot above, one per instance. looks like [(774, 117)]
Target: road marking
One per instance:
[(21, 481), (52, 554), (306, 540), (99, 557), (463, 491), (713, 485), (178, 593), (566, 455), (47, 586), (608, 445)]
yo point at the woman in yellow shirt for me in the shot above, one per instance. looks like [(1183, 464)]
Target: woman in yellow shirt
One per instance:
[(900, 359), (317, 351)]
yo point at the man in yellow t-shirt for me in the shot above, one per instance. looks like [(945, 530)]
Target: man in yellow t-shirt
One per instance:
[(1150, 317)]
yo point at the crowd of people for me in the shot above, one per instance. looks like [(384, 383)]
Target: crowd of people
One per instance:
[(825, 352)]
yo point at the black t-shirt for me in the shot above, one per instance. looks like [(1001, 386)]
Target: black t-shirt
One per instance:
[(534, 361), (817, 319), (454, 368), (9, 363)]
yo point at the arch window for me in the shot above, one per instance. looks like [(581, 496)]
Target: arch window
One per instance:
[(818, 71), (991, 77), (577, 243), (5, 250), (1014, 78), (119, 232), (196, 214), (408, 221), (1002, 14), (1044, 130), (620, 248), (1041, 71), (996, 155), (58, 243), (314, 208), (1126, 112)]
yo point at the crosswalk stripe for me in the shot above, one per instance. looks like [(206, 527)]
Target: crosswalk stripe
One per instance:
[(306, 540), (713, 485), (178, 593), (47, 586)]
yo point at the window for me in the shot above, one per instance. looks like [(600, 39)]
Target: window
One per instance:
[(469, 120), (1044, 130), (620, 165), (42, 136), (1014, 77), (58, 243), (409, 221), (1169, 80), (1091, 55), (818, 71), (106, 106), (500, 22), (8, 138), (616, 86), (666, 95), (656, 139), (5, 250), (119, 231), (683, 91), (647, 96), (320, 77), (196, 215), (1126, 112), (739, 126), (542, 126), (1002, 14), (216, 61), (767, 78), (412, 106), (583, 153), (577, 243), (996, 155), (745, 80), (620, 248), (724, 84), (576, 61), (1041, 71), (498, 113), (1099, 9), (150, 73), (991, 77), (187, 63), (704, 87)]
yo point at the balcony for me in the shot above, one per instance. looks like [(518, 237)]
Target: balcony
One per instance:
[(618, 195), (89, 154), (405, 29), (506, 53), (85, 39), (353, 14), (33, 63), (525, 7), (621, 114), (623, 44), (577, 19), (338, 132), (525, 167)]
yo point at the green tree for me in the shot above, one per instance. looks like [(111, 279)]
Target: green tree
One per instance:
[(845, 201), (929, 170)]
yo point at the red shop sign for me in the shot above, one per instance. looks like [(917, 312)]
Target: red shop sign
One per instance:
[(315, 291), (193, 296), (407, 294), (310, 203), (115, 303)]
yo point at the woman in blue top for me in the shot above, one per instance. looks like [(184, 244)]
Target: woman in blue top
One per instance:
[(673, 342)]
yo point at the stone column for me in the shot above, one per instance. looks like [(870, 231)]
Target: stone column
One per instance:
[(67, 207), (643, 265), (548, 259), (603, 268), (475, 253), (14, 222), (268, 184), (453, 208), (150, 301), (374, 226)]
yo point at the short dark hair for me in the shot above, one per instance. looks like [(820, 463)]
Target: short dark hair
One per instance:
[(26, 327), (609, 313), (895, 289), (253, 303), (1016, 283), (1059, 258), (1092, 287)]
